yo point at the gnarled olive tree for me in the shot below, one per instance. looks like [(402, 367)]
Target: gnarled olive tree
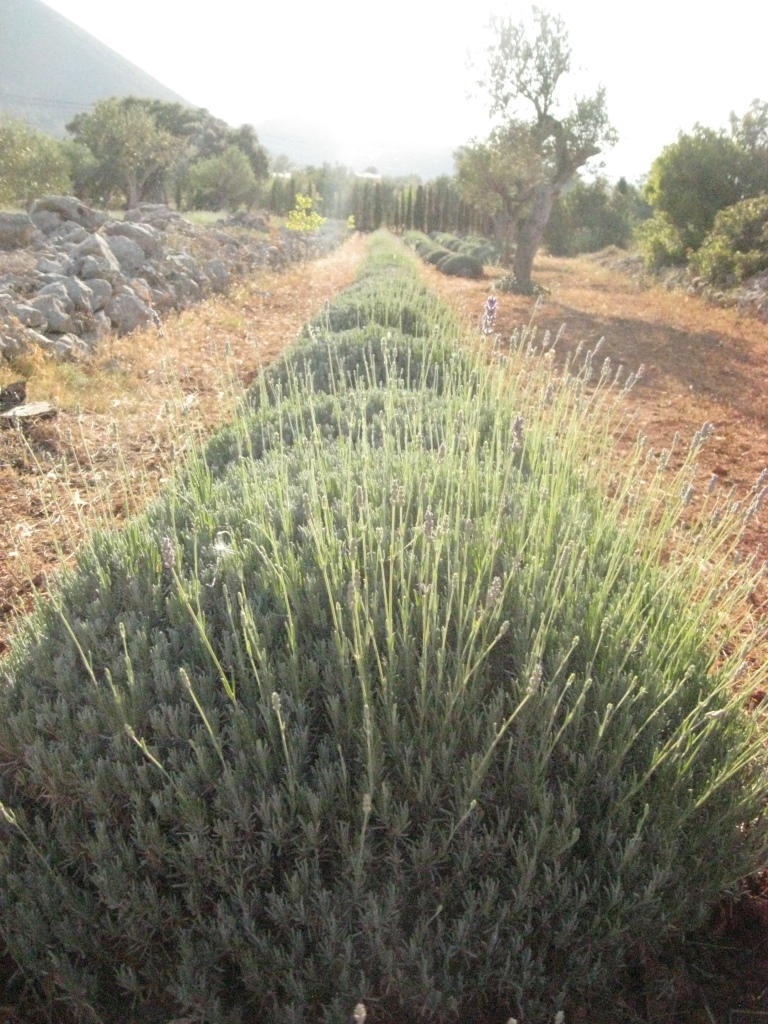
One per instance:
[(516, 175)]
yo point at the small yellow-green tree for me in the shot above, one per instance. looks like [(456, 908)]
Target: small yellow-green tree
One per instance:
[(303, 218)]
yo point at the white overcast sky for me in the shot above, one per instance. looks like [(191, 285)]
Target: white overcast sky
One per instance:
[(365, 72)]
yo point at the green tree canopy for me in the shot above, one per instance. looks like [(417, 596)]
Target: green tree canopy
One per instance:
[(708, 170), (128, 146), (221, 182), (147, 147), (516, 175), (32, 164), (590, 215), (750, 132), (693, 178)]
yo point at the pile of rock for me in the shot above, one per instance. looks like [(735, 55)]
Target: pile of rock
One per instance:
[(750, 297), (83, 274)]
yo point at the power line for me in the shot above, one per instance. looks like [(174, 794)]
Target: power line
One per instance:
[(75, 104)]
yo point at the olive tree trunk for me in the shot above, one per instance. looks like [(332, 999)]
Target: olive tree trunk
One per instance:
[(530, 231)]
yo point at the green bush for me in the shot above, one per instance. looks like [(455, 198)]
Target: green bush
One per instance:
[(660, 243), (391, 711), (447, 240), (389, 296), (694, 178), (435, 256), (222, 182), (450, 258), (457, 265), (737, 246), (481, 249), (338, 371), (593, 215), (32, 164)]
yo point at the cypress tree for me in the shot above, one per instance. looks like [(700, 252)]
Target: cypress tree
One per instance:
[(274, 196), (420, 209)]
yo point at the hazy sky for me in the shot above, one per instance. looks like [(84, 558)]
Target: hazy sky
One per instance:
[(396, 72)]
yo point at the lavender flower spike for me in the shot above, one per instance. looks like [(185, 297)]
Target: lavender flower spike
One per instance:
[(488, 322)]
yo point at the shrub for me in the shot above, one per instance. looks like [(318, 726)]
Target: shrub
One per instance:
[(737, 246), (694, 178), (448, 253), (593, 215), (404, 710), (447, 241), (338, 369), (303, 218), (457, 265), (435, 255), (225, 181), (481, 249), (395, 301), (660, 243), (32, 164)]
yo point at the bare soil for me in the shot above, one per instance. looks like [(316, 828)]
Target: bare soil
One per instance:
[(127, 415)]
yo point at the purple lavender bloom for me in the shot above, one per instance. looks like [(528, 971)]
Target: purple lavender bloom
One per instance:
[(488, 322)]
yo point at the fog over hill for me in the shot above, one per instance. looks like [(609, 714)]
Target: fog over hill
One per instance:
[(51, 70), (305, 144)]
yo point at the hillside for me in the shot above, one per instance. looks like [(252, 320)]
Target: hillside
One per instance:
[(51, 70)]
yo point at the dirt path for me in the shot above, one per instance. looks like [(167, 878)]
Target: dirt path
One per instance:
[(126, 416)]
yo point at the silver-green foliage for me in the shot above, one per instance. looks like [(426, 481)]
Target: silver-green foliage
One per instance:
[(401, 708), (441, 254)]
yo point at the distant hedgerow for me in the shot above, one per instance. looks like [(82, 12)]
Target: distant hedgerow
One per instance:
[(448, 254)]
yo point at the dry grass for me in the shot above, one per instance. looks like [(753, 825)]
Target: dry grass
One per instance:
[(128, 414)]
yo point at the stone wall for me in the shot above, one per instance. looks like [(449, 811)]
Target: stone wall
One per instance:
[(69, 275)]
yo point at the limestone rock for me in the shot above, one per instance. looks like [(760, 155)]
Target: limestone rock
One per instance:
[(217, 273), (46, 265), (58, 290), (145, 235), (101, 293), (57, 319), (80, 294), (70, 208), (127, 312), (27, 315), (69, 346), (129, 254), (46, 220)]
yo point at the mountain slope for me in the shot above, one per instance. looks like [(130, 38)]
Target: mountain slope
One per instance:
[(51, 70)]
